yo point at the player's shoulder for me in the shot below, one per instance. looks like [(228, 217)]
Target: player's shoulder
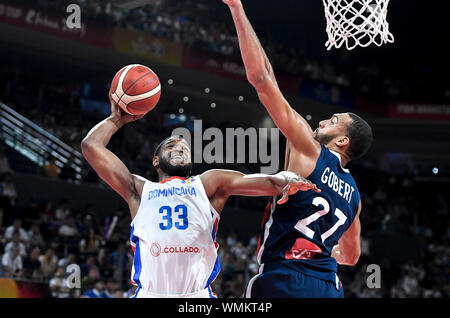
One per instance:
[(140, 178), (140, 181), (138, 184)]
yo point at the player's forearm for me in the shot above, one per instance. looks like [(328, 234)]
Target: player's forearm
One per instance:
[(255, 60), (101, 133), (264, 185), (273, 184)]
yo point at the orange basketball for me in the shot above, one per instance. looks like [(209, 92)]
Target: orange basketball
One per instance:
[(135, 89)]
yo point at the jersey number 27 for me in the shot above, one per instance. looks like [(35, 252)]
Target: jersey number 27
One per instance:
[(302, 225)]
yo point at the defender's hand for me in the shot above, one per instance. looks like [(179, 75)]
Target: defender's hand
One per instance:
[(294, 185), (119, 117)]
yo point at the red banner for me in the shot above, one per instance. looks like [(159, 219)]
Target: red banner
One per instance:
[(420, 111), (207, 62), (10, 288), (371, 107), (54, 23)]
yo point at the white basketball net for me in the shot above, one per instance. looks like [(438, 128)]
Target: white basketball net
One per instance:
[(356, 22)]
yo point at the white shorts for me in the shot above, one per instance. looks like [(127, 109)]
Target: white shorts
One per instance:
[(204, 293)]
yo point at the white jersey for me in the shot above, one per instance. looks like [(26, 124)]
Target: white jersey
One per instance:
[(173, 236)]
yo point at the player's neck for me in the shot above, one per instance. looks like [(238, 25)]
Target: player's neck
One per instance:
[(163, 176), (343, 157)]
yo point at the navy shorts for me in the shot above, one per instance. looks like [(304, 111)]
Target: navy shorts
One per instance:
[(280, 281)]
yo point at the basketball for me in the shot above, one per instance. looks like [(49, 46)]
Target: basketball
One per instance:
[(135, 89)]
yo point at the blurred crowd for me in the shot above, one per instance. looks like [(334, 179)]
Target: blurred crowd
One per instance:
[(206, 25)]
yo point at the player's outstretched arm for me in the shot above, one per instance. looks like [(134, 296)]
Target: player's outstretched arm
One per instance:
[(348, 250), (260, 74), (107, 165), (220, 184)]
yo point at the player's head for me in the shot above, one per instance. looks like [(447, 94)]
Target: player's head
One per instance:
[(346, 132), (173, 157)]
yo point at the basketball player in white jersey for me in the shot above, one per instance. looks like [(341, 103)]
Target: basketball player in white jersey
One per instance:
[(174, 221)]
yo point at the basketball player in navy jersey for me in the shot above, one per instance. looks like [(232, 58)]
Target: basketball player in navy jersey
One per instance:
[(174, 221), (302, 241)]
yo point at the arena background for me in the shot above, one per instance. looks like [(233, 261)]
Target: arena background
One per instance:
[(53, 89)]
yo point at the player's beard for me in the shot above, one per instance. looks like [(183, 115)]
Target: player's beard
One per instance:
[(175, 170), (323, 138)]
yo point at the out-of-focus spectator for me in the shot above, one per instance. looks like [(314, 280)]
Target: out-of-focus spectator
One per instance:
[(62, 211), (8, 192), (96, 291), (49, 263), (90, 243), (32, 265), (119, 260), (58, 284), (231, 239), (16, 227), (88, 223), (16, 242), (110, 290), (69, 228), (50, 168), (12, 263), (86, 266), (69, 259), (35, 237), (47, 214), (90, 281)]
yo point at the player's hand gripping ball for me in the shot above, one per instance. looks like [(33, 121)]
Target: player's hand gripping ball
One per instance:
[(135, 89)]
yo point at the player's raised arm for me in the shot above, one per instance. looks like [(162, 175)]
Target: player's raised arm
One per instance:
[(107, 165), (260, 74), (220, 184)]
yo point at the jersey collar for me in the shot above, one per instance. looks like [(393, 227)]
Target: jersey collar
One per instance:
[(171, 178), (340, 161)]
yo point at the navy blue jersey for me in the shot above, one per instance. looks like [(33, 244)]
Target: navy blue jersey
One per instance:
[(302, 232)]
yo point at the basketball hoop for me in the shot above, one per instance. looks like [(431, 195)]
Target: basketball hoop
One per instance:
[(356, 23)]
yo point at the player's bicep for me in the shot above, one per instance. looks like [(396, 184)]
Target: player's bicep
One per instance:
[(111, 170), (293, 126)]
